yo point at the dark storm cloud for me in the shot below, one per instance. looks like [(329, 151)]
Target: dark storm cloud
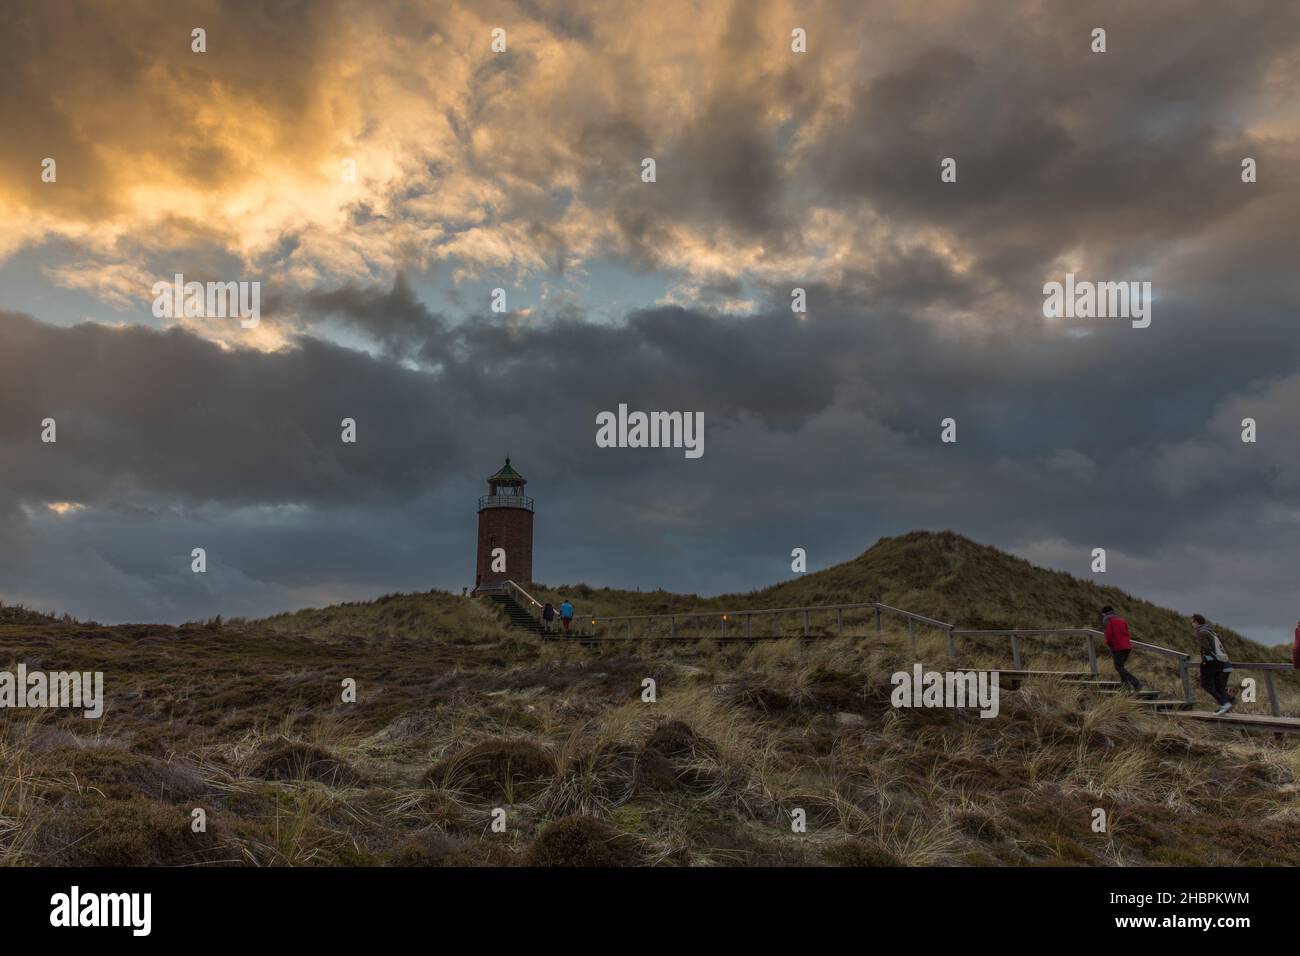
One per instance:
[(1058, 147), (163, 417), (808, 422), (394, 317), (821, 432)]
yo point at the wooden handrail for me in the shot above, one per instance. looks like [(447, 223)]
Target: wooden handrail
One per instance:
[(1183, 660), (1026, 631), (915, 617), (694, 614), (528, 597), (1271, 666), (1160, 650), (1274, 702)]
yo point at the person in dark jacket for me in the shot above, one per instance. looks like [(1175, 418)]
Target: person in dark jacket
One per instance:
[(1214, 665), (1116, 630), (548, 617)]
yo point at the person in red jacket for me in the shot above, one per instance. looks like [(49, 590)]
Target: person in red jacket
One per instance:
[(1117, 639)]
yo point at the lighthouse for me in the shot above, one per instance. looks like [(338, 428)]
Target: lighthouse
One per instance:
[(505, 530)]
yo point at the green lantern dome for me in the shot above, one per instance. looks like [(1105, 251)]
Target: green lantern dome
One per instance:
[(507, 474)]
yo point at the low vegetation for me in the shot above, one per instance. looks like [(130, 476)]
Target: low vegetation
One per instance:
[(461, 723)]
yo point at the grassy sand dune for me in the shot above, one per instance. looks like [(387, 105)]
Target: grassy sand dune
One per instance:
[(458, 717)]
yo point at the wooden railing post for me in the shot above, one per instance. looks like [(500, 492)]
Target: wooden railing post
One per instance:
[(1092, 655), (1185, 667), (1015, 650), (805, 622), (952, 644), (1274, 704), (877, 619), (839, 619)]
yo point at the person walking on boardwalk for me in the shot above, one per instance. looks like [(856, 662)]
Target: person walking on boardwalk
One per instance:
[(566, 615), (1117, 639), (1214, 665), (548, 617)]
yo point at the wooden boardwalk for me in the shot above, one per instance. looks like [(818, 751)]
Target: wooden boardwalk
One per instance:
[(1255, 722), (737, 626)]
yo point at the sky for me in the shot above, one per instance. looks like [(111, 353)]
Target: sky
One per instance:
[(522, 170)]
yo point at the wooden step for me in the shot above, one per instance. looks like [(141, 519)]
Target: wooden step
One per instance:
[(1086, 682), (1009, 672), (1166, 704), (1279, 725), (692, 639)]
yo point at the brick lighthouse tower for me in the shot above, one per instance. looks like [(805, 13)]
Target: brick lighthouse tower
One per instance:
[(505, 520)]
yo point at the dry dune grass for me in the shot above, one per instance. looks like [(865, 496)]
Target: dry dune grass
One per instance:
[(461, 724), (739, 741)]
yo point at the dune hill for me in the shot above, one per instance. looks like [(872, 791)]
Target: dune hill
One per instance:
[(948, 577), (458, 719)]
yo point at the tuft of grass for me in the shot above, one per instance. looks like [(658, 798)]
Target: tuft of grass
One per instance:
[(507, 770)]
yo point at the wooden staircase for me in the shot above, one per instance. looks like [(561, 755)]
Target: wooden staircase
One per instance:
[(730, 625), (517, 614), (1151, 698), (1083, 680)]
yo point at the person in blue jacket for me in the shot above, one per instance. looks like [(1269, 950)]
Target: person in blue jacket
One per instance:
[(566, 615)]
